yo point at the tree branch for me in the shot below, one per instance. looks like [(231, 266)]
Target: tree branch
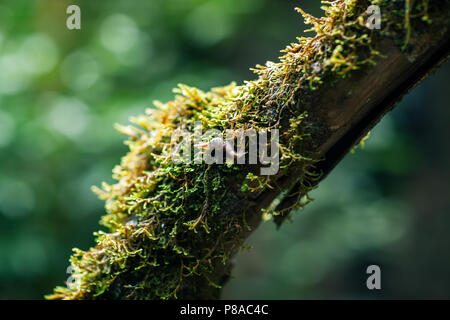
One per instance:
[(324, 95)]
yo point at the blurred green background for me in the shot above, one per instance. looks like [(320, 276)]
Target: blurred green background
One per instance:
[(61, 91)]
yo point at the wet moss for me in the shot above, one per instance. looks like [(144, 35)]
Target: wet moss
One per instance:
[(170, 224)]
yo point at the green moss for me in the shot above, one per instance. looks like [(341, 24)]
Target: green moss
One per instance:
[(170, 224)]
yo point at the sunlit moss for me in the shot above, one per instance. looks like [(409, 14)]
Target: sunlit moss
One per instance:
[(170, 224)]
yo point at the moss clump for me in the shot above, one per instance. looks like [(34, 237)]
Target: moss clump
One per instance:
[(169, 225)]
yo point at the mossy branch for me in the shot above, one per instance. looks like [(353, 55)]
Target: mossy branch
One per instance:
[(173, 228)]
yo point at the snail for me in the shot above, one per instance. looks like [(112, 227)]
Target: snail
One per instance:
[(219, 143)]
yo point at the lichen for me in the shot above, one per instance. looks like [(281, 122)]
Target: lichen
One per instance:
[(170, 224)]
